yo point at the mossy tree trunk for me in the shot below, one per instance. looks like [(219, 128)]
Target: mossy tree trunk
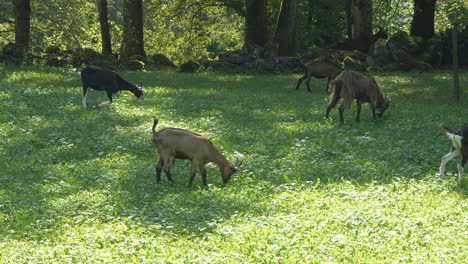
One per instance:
[(456, 81), (349, 19), (423, 18), (132, 39), (22, 12), (255, 23), (361, 13), (105, 33), (285, 33)]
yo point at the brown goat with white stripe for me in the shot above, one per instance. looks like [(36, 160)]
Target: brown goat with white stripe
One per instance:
[(176, 143), (351, 85)]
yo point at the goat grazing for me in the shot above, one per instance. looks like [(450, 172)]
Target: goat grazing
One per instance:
[(359, 44), (318, 70), (105, 80), (351, 85), (176, 143), (459, 148)]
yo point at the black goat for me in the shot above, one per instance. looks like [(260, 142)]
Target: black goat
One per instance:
[(106, 80)]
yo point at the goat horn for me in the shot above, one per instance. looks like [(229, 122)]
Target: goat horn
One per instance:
[(237, 165)]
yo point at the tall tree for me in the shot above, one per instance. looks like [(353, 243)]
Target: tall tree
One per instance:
[(285, 31), (105, 33), (361, 13), (255, 23), (456, 81), (22, 10), (132, 39), (423, 18), (349, 19)]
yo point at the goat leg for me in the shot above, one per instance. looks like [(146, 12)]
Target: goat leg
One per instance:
[(373, 110), (341, 109), (85, 95), (460, 168), (358, 111), (203, 173), (328, 85), (109, 95), (300, 81), (168, 174), (158, 170), (193, 172), (308, 84), (444, 161)]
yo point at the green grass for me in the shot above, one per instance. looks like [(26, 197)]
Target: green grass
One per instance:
[(77, 186)]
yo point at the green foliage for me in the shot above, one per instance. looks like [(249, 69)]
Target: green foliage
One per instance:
[(77, 186), (320, 23)]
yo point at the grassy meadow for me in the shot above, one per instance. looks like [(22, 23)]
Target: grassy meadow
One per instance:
[(78, 186)]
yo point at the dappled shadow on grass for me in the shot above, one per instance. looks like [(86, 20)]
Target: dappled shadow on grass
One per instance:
[(69, 164)]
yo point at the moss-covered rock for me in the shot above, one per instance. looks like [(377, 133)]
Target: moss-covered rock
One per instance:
[(57, 61), (353, 64), (108, 62), (87, 56), (357, 55), (433, 51), (222, 66), (190, 66), (138, 58), (235, 57), (53, 50), (406, 62), (264, 65), (313, 53), (403, 41), (160, 60), (135, 65), (13, 52)]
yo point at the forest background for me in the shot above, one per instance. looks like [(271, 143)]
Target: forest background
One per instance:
[(196, 29)]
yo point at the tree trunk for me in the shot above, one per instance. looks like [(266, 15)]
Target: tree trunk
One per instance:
[(255, 25), (285, 32), (349, 19), (22, 9), (132, 39), (456, 82), (361, 13), (105, 34), (423, 18)]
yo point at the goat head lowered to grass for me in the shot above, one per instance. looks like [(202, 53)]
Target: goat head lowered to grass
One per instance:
[(351, 85), (106, 80), (176, 143)]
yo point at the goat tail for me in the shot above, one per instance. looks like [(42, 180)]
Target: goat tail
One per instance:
[(447, 129), (155, 122), (456, 139), (348, 89), (336, 93)]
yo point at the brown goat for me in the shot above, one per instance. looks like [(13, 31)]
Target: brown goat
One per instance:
[(318, 70), (359, 44), (351, 85), (176, 143)]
